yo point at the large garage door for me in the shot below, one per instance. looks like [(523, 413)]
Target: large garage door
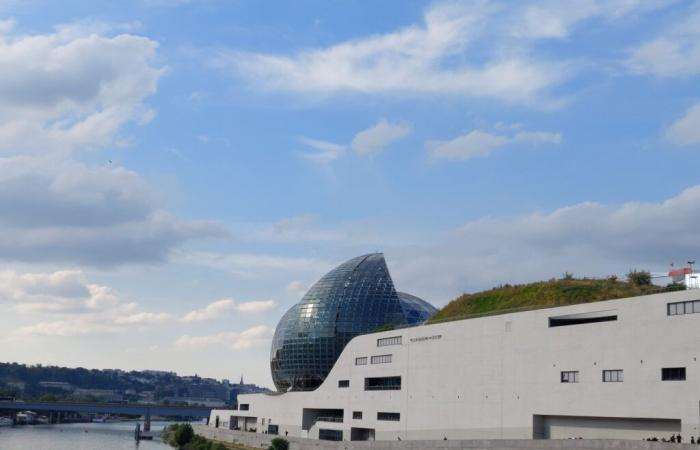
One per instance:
[(565, 427)]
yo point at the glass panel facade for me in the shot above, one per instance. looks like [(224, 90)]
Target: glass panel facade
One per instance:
[(354, 298)]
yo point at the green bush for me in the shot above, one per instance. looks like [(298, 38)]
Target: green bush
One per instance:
[(639, 277), (183, 434), (279, 444)]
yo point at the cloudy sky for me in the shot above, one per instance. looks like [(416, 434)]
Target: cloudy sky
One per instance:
[(174, 174)]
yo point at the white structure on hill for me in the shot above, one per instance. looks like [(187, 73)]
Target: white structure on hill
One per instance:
[(614, 369)]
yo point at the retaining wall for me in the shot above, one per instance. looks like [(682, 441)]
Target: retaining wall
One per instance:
[(262, 441)]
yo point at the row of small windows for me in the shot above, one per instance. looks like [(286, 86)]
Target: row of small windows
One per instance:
[(381, 359), (390, 416), (394, 340), (378, 359), (613, 376), (616, 376), (676, 309)]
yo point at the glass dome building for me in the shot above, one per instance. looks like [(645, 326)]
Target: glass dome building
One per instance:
[(356, 297)]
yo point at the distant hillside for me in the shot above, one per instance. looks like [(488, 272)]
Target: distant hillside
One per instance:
[(543, 294)]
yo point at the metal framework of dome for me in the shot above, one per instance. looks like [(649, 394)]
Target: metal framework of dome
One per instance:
[(356, 297)]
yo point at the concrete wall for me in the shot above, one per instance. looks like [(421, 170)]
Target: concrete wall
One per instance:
[(488, 378), (263, 441)]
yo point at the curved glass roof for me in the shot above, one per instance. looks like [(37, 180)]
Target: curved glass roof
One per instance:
[(356, 297)]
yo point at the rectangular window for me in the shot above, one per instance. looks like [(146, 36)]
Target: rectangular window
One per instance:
[(582, 318), (381, 359), (330, 435), (383, 384), (343, 383), (361, 361), (570, 376), (357, 415), (612, 376), (243, 406), (680, 308), (392, 416), (673, 374), (394, 340)]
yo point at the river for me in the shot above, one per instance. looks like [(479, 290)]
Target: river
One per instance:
[(78, 436)]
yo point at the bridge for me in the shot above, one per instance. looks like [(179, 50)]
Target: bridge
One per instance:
[(126, 409)]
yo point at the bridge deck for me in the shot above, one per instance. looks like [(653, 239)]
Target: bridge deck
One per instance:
[(109, 408)]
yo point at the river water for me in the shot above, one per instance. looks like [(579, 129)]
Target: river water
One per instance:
[(78, 436)]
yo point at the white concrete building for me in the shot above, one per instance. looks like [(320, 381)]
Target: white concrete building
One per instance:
[(613, 369)]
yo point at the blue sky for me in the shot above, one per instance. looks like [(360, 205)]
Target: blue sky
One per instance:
[(175, 174)]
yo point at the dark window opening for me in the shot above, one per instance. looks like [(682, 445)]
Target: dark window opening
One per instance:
[(392, 416), (243, 407), (383, 384), (583, 318), (612, 376), (330, 435), (570, 376), (357, 415), (343, 383), (673, 374)]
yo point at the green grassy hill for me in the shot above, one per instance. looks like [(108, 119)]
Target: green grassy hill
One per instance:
[(542, 294)]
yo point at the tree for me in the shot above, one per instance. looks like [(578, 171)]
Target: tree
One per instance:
[(183, 434), (639, 277), (279, 444)]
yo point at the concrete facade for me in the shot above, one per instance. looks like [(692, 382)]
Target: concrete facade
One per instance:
[(500, 377)]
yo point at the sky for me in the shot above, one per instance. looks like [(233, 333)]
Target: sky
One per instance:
[(175, 174)]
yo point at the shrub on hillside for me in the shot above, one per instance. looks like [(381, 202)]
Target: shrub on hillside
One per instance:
[(639, 277), (279, 444)]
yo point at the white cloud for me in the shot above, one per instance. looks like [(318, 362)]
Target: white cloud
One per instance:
[(68, 305), (244, 262), (297, 288), (419, 59), (675, 53), (67, 91), (143, 318), (686, 130), (324, 152), (378, 136), (587, 239), (252, 337), (72, 88), (470, 145), (478, 143), (65, 211), (471, 49), (218, 308), (556, 19)]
